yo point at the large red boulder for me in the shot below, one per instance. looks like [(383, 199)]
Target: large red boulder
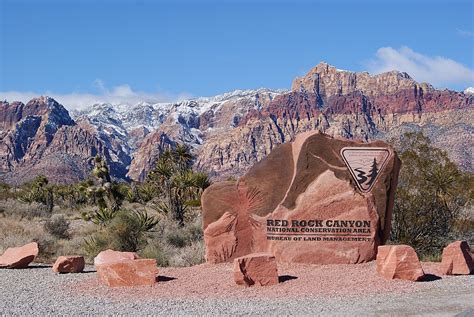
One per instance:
[(69, 264), (399, 262), (111, 256), (457, 259), (256, 269), (140, 272), (20, 257), (317, 200)]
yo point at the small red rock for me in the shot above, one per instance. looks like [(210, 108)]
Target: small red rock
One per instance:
[(256, 269), (457, 259), (140, 272), (111, 256), (20, 257), (69, 264), (399, 262)]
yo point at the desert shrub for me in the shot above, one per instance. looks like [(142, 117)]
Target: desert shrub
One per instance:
[(57, 226), (190, 255), (39, 191), (126, 232), (177, 239), (173, 245), (48, 247), (95, 243), (432, 197), (156, 250)]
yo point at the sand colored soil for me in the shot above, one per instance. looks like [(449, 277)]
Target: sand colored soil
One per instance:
[(296, 281)]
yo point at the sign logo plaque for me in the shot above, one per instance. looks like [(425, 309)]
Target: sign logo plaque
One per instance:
[(365, 164)]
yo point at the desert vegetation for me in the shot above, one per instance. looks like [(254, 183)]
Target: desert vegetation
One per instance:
[(159, 218), (433, 204)]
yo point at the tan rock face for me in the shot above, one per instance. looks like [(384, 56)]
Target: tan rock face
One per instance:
[(111, 256), (327, 80), (256, 269), (303, 204), (69, 264), (20, 257), (457, 259), (140, 272), (399, 262)]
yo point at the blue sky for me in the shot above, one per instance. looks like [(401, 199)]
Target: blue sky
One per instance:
[(163, 50)]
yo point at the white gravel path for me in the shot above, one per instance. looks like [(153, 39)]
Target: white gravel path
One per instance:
[(39, 291)]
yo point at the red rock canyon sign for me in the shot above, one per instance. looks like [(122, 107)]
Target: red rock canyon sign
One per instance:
[(316, 200)]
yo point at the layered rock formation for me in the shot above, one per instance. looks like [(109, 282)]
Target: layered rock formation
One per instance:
[(41, 138), (303, 204), (350, 105), (231, 132)]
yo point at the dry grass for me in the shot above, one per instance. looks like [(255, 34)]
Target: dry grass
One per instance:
[(169, 243)]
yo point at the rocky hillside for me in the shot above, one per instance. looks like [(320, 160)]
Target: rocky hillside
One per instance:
[(230, 132)]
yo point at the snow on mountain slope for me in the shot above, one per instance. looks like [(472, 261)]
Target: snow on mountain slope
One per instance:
[(119, 120)]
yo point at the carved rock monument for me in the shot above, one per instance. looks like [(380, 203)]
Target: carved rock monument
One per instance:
[(316, 200)]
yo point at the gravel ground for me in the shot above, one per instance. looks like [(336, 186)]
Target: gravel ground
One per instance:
[(209, 290)]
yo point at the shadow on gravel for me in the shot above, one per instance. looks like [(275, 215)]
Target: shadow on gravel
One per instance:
[(430, 278), (162, 278), (41, 266), (284, 278)]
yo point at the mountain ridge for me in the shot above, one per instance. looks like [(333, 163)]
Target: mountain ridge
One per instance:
[(230, 132)]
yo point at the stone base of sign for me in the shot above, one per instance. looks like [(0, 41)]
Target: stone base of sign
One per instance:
[(20, 257), (457, 259), (69, 264), (140, 272), (399, 262), (256, 269), (317, 200)]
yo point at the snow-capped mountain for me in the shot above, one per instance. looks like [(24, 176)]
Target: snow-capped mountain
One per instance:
[(229, 133), (121, 120)]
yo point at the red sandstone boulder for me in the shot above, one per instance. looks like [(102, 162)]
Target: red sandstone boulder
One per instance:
[(399, 262), (69, 264), (317, 200), (140, 272), (20, 257), (111, 256), (457, 259), (256, 269)]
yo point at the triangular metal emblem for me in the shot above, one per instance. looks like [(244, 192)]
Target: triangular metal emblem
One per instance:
[(365, 164)]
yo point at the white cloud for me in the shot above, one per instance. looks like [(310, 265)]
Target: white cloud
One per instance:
[(437, 70), (119, 94), (465, 33)]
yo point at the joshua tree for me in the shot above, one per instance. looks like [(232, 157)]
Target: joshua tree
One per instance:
[(179, 186)]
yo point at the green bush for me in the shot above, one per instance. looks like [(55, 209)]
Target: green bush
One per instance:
[(127, 231), (432, 197)]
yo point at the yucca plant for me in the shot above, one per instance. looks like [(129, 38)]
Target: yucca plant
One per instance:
[(103, 216), (145, 221)]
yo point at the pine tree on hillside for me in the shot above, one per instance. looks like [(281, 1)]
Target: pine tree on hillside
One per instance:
[(374, 171)]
